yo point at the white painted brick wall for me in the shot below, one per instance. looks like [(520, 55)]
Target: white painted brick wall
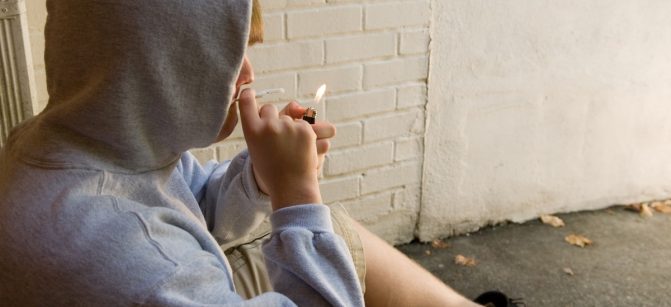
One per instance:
[(397, 14), (373, 56), (324, 21)]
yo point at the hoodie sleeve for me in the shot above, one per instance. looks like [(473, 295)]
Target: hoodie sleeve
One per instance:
[(228, 195), (308, 262)]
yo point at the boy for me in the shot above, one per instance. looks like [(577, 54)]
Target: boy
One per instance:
[(101, 205)]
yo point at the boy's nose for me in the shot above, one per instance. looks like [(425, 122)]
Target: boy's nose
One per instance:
[(246, 73)]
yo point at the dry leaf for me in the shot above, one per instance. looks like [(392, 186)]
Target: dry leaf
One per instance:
[(634, 207), (661, 207), (427, 252), (552, 220), (439, 244), (569, 271), (645, 211), (578, 240), (667, 202), (465, 261)]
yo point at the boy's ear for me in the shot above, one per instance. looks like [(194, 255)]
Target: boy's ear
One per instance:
[(256, 31)]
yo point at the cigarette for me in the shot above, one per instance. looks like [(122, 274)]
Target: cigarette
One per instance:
[(262, 93)]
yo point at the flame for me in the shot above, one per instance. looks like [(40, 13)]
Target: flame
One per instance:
[(320, 93)]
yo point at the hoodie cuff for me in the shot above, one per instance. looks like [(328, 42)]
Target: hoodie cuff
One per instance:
[(313, 217), (249, 182)]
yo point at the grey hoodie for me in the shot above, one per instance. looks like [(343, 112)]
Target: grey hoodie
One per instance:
[(99, 204)]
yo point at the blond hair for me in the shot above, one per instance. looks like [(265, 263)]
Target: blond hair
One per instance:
[(256, 30)]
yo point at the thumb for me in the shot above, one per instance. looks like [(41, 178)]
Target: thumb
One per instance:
[(249, 111)]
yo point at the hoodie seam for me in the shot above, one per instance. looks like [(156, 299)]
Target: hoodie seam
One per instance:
[(145, 230)]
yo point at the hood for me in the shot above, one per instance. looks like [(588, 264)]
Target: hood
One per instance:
[(133, 84)]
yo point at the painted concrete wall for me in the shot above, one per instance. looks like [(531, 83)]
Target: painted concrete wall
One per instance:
[(544, 106)]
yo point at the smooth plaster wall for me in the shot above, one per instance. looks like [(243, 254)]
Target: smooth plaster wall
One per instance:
[(543, 106)]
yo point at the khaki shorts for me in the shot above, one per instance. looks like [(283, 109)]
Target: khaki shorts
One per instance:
[(249, 268)]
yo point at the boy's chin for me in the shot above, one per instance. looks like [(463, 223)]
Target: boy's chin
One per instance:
[(229, 123)]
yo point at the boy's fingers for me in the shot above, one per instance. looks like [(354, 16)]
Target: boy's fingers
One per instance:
[(268, 111), (249, 112), (293, 110), (324, 130), (323, 146)]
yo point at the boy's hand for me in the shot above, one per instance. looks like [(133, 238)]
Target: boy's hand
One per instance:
[(324, 130), (283, 152)]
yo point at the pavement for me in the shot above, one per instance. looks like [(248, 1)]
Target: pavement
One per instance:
[(628, 264)]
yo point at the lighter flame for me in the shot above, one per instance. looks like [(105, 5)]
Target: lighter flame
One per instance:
[(320, 93)]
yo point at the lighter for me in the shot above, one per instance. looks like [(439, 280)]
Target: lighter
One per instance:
[(311, 113)]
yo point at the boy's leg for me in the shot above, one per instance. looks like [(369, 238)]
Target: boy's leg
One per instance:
[(388, 277), (393, 279)]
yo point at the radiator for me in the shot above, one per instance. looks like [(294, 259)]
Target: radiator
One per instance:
[(16, 78)]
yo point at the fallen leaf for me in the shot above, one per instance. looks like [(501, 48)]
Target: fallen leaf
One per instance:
[(427, 252), (634, 207), (578, 240), (465, 261), (661, 207), (552, 220), (645, 211), (439, 244), (569, 271), (667, 202)]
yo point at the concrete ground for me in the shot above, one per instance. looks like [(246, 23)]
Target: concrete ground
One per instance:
[(629, 263)]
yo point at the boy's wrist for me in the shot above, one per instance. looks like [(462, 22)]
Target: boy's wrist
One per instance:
[(296, 194)]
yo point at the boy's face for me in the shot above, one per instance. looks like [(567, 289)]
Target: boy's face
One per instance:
[(246, 72), (246, 76)]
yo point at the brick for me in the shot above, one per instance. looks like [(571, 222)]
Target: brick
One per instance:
[(337, 79), (391, 176), (414, 42), (293, 55), (342, 1), (411, 96), (324, 21), (369, 207), (359, 158), (227, 150), (348, 134), (394, 125), (397, 14), (299, 3), (272, 4), (203, 155), (287, 81), (280, 4), (396, 71), (333, 190), (360, 104), (273, 29), (360, 47), (408, 148)]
